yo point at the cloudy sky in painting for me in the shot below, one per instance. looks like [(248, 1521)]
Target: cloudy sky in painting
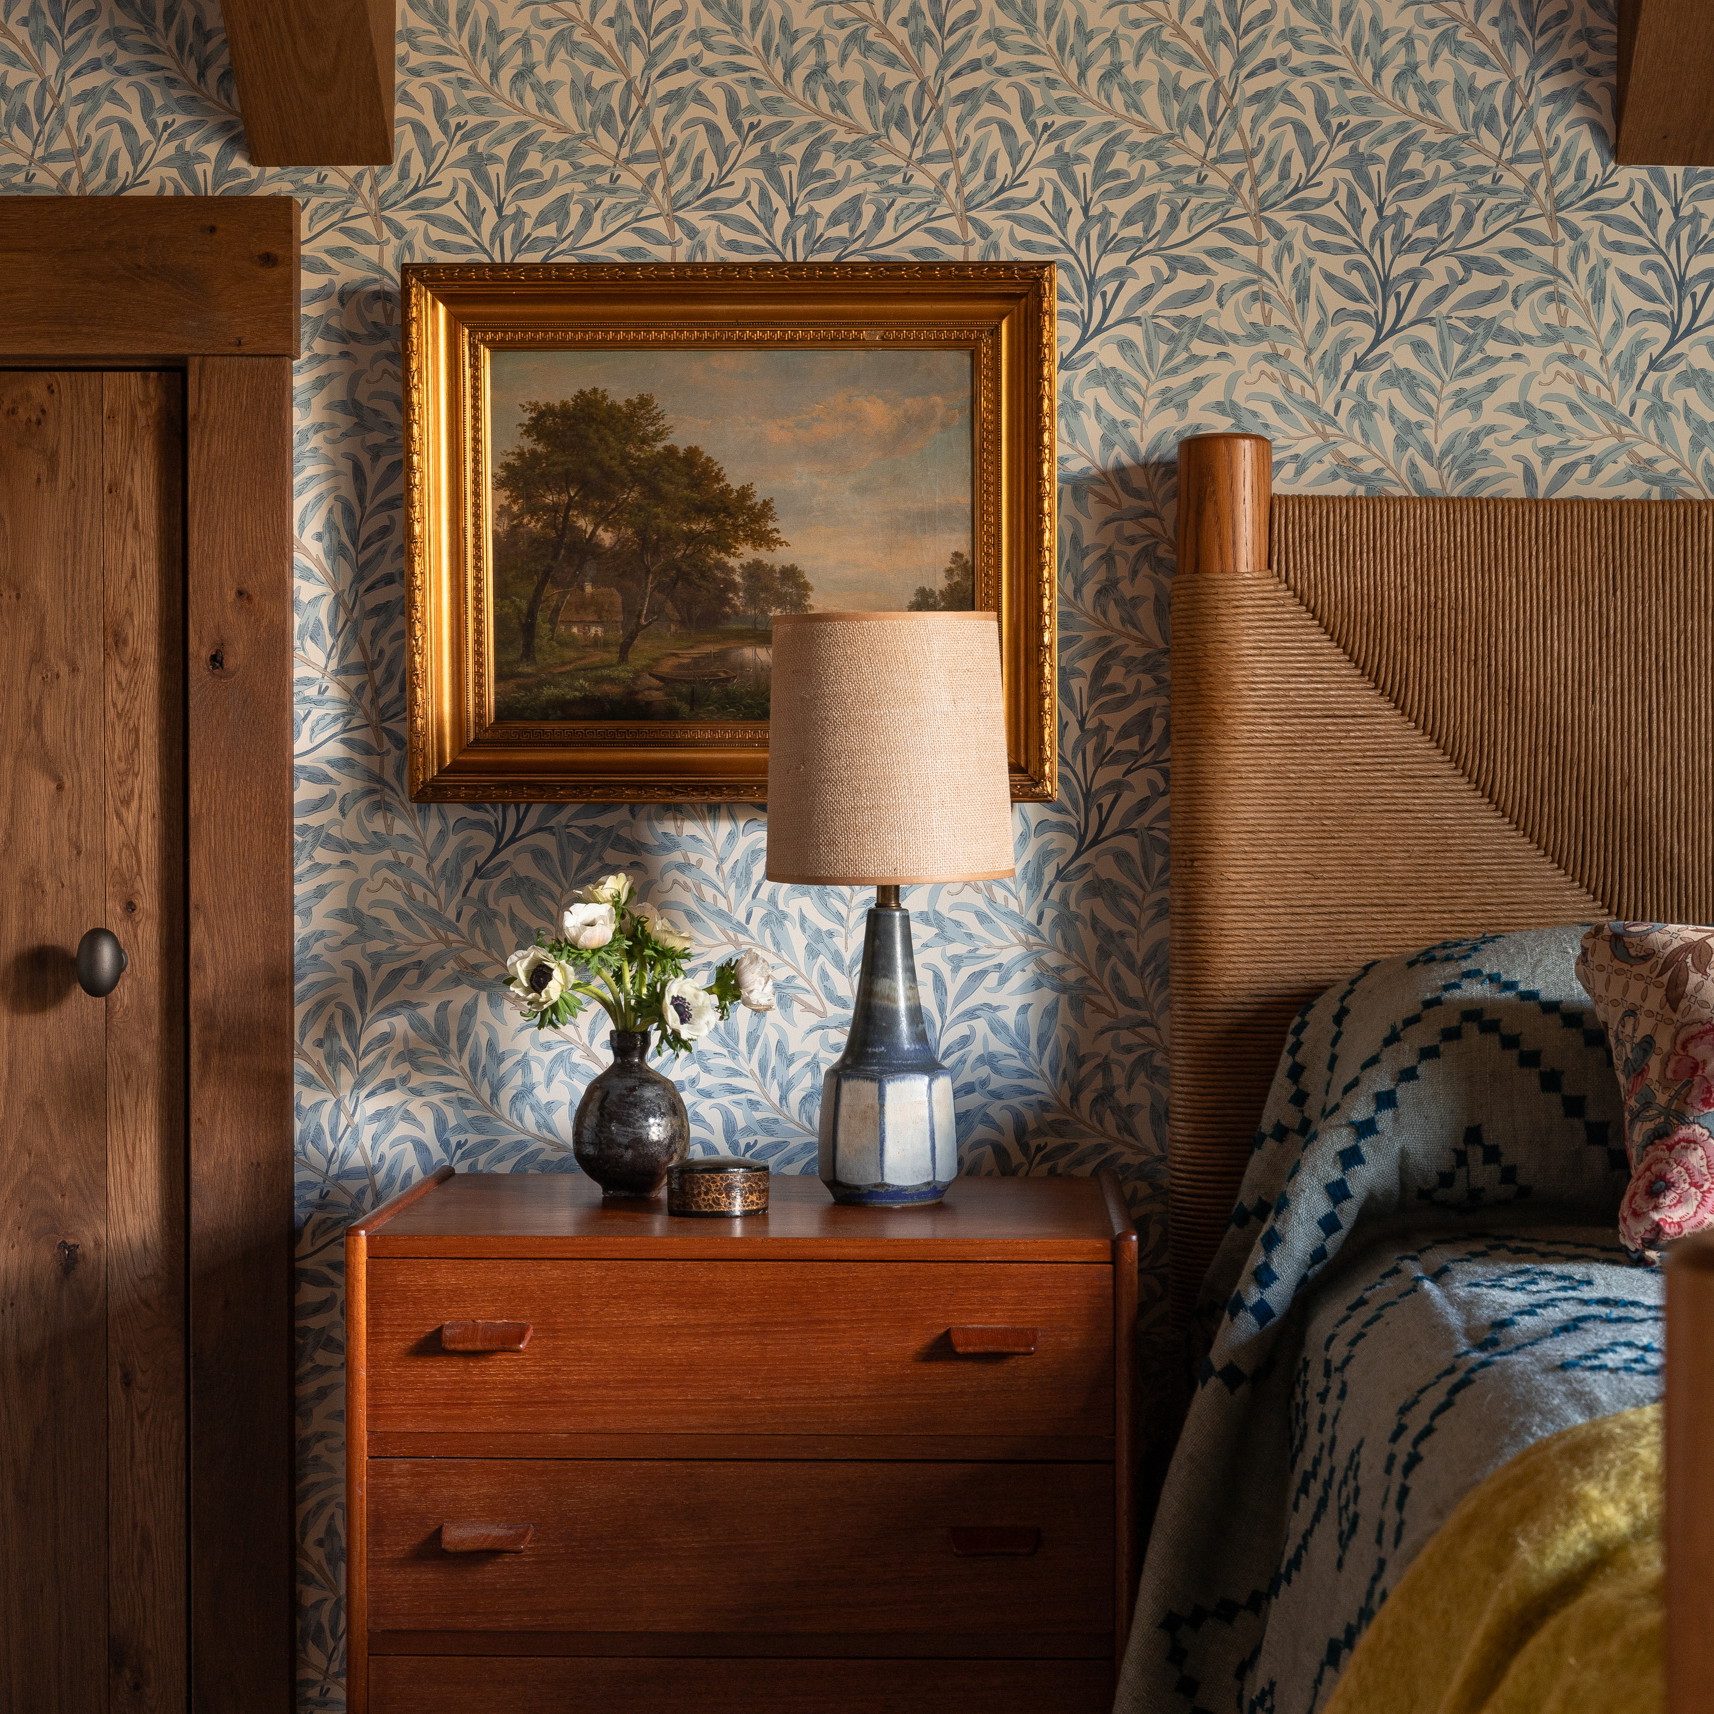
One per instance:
[(865, 454)]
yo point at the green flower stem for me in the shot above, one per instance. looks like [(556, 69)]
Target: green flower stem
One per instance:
[(608, 1002), (622, 1018)]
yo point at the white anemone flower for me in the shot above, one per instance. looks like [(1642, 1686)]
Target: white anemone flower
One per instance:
[(538, 978), (664, 929), (686, 1011), (614, 890), (755, 980), (589, 926)]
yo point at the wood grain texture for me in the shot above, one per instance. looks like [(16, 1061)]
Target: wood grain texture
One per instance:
[(53, 1094), (148, 276), (371, 1223), (358, 1464), (1666, 117), (1689, 1497), (982, 1443), (994, 1341), (994, 1541), (1225, 482), (751, 1644), (485, 1686), (124, 280), (90, 507), (469, 1536), (315, 80), (1127, 1530), (485, 1335), (691, 1515), (739, 1347), (238, 627), (143, 720), (707, 1546), (562, 1214)]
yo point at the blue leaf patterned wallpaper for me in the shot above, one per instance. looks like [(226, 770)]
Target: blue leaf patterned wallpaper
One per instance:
[(1387, 233)]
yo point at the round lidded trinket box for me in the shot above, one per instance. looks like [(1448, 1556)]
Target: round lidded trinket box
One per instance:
[(717, 1185)]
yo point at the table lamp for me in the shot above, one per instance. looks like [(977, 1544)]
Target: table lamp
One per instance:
[(886, 768)]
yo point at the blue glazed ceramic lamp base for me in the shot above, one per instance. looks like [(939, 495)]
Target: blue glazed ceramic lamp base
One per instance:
[(888, 1135)]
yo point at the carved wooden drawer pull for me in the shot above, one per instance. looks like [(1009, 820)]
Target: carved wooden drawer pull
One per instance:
[(485, 1538), (995, 1341), (484, 1335), (995, 1541)]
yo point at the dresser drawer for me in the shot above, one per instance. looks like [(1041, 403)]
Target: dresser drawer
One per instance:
[(734, 1348), (441, 1684), (786, 1547)]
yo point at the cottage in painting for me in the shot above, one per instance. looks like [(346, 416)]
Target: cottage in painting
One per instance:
[(587, 613)]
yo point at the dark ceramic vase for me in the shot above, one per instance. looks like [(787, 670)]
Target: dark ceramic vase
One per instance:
[(630, 1125)]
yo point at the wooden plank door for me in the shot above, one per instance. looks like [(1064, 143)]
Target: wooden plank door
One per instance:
[(92, 1131)]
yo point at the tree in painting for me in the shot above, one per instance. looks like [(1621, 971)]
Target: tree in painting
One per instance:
[(767, 590), (957, 591), (598, 511), (580, 465), (677, 536)]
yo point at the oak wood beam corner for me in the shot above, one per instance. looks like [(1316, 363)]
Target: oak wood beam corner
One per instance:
[(315, 80), (1666, 84)]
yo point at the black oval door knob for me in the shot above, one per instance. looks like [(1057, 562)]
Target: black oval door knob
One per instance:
[(101, 962)]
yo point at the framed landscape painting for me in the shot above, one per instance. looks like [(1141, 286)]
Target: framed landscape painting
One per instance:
[(618, 476)]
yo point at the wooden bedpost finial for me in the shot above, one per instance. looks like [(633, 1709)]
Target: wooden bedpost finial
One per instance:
[(1225, 482)]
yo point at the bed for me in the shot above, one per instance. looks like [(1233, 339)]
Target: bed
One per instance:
[(1417, 744)]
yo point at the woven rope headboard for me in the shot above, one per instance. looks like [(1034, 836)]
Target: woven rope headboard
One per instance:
[(1396, 721)]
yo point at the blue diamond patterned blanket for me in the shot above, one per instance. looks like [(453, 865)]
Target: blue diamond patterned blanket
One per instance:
[(1422, 1277)]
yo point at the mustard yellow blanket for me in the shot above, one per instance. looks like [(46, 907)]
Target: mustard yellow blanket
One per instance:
[(1541, 1594)]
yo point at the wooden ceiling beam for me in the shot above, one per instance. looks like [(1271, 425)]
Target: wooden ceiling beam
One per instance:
[(315, 79), (1666, 83)]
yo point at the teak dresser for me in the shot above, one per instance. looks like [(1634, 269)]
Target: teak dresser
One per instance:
[(821, 1460)]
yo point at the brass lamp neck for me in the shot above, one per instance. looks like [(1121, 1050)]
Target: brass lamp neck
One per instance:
[(887, 898)]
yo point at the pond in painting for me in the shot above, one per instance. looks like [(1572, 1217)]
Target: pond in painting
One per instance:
[(654, 511)]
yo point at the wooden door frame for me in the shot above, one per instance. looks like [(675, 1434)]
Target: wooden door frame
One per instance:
[(209, 286)]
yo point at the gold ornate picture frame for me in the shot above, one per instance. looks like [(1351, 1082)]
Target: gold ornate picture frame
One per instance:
[(556, 661)]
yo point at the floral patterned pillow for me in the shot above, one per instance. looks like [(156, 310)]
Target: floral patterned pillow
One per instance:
[(1653, 986)]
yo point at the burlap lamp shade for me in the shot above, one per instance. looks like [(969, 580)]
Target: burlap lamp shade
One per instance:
[(887, 767), (887, 750)]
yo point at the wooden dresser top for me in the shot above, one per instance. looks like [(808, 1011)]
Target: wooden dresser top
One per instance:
[(562, 1214)]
